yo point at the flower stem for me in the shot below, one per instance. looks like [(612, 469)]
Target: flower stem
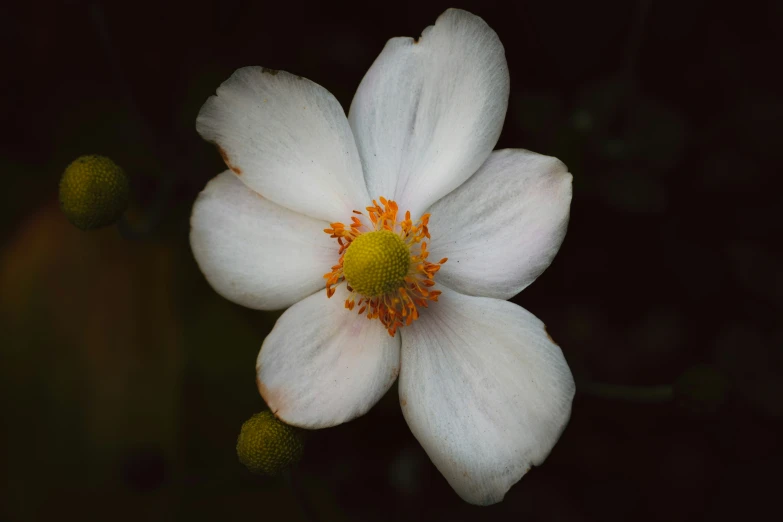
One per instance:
[(152, 141), (635, 36), (295, 486), (643, 394)]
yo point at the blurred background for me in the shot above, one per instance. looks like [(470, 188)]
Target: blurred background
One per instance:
[(124, 378)]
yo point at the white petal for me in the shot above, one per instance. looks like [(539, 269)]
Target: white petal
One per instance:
[(323, 365), (288, 139), (428, 112), (484, 390), (254, 252), (502, 228)]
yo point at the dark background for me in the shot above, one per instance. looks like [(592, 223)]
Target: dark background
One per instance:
[(124, 378)]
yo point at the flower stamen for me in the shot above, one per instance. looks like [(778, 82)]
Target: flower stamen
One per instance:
[(387, 268)]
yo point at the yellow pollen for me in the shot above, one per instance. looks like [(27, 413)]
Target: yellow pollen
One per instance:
[(376, 263), (383, 263)]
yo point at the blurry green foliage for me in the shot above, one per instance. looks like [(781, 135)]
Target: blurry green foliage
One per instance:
[(91, 364), (701, 388)]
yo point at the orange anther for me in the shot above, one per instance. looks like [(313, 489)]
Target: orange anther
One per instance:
[(399, 307)]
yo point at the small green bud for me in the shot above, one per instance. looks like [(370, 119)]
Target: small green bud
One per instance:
[(267, 445), (94, 192)]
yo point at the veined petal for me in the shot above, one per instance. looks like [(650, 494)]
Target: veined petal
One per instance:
[(502, 228), (428, 112), (323, 365), (254, 252), (288, 139), (484, 390)]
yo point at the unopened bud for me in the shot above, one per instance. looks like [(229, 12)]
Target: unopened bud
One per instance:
[(94, 192), (267, 445)]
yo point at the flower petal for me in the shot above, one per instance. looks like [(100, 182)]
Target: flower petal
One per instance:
[(428, 112), (254, 252), (323, 365), (484, 390), (288, 139), (502, 228)]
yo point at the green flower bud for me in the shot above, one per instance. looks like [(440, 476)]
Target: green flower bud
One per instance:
[(267, 445), (94, 192)]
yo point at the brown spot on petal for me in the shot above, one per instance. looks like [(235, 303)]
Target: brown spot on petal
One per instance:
[(549, 336), (224, 155), (273, 399), (259, 384), (395, 372), (273, 72), (403, 402)]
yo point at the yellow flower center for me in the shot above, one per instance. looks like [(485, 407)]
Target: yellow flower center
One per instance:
[(384, 264), (376, 263)]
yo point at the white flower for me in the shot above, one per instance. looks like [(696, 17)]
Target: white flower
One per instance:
[(482, 386)]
